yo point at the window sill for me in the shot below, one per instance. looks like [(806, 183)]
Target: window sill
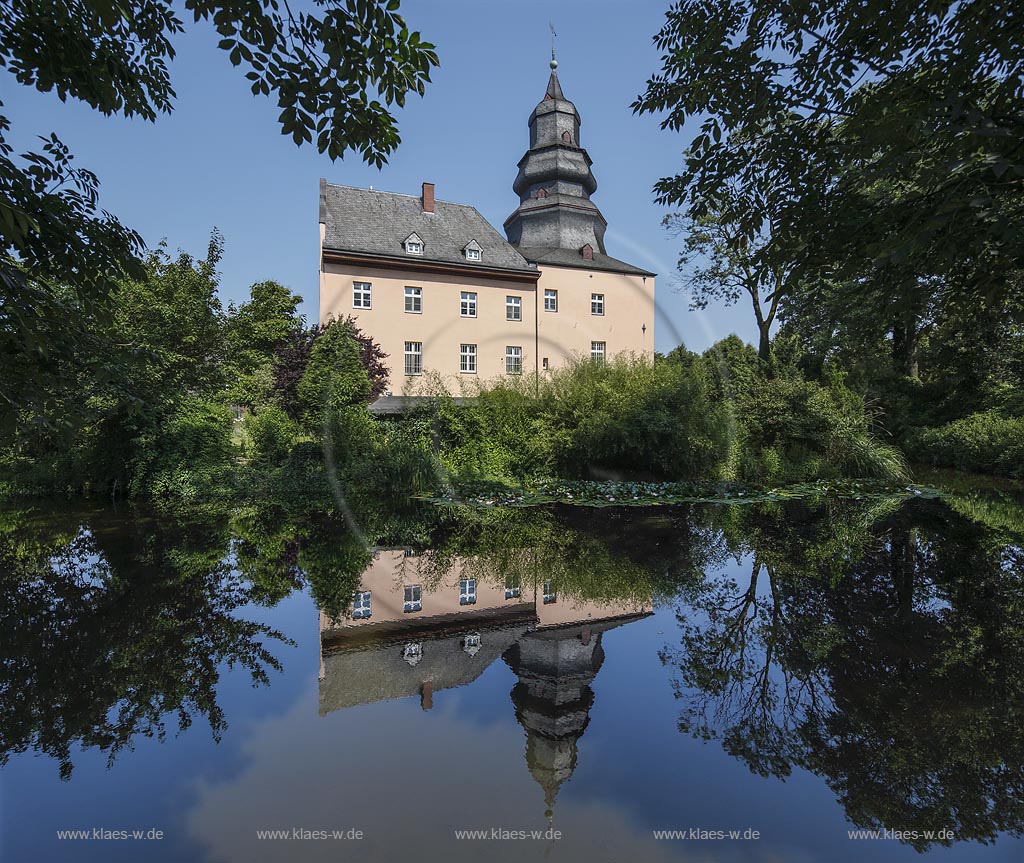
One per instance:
[(411, 312)]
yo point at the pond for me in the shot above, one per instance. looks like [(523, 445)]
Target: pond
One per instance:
[(801, 680)]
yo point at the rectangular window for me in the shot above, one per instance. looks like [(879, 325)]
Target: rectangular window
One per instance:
[(549, 593), (472, 254), (361, 295), (414, 358), (597, 351), (550, 301), (414, 300), (512, 588), (513, 308), (468, 306), (597, 304), (413, 598), (467, 359), (513, 360), (361, 605), (467, 591)]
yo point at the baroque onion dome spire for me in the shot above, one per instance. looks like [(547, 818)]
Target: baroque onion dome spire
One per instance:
[(555, 182)]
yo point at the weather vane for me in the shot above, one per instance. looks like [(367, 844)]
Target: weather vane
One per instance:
[(554, 62)]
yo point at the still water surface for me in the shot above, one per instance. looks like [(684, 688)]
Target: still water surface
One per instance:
[(567, 681)]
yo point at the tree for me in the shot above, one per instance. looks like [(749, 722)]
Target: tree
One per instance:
[(293, 355), (252, 333), (720, 261), (808, 105), (336, 72)]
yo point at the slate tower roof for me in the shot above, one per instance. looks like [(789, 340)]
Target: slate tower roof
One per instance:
[(556, 222)]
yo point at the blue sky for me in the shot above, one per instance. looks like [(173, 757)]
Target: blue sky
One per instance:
[(220, 160)]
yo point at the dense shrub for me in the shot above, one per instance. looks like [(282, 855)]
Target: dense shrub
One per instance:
[(793, 430), (626, 417), (631, 417), (272, 432), (983, 442), (185, 456), (334, 378)]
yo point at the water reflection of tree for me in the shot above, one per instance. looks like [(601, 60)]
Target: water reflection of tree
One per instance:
[(109, 628), (884, 652)]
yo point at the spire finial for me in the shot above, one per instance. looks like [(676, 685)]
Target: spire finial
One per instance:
[(554, 62)]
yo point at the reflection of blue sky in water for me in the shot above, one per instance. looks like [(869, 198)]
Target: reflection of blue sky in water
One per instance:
[(408, 777)]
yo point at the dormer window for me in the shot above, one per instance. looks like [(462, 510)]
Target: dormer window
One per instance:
[(588, 252), (413, 245), (472, 251)]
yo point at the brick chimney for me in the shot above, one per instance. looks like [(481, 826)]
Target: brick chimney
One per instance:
[(428, 197), (427, 694)]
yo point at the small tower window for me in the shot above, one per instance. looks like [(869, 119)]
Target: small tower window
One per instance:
[(588, 252), (566, 138), (542, 193)]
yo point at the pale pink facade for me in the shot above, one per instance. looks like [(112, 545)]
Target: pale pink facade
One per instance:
[(592, 314)]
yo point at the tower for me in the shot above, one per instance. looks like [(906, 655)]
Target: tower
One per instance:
[(555, 183)]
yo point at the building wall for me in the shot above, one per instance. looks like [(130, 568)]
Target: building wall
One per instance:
[(556, 336), (628, 307), (440, 326), (392, 569)]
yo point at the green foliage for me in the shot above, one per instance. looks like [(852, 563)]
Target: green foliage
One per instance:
[(334, 379), (631, 417), (272, 432), (185, 458), (983, 442), (588, 419), (793, 430)]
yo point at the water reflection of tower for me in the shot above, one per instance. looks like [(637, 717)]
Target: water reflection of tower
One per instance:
[(553, 698)]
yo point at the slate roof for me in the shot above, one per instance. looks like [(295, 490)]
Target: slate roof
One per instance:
[(378, 672), (572, 258), (398, 405), (377, 223)]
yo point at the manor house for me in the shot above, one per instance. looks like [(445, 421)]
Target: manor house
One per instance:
[(441, 290)]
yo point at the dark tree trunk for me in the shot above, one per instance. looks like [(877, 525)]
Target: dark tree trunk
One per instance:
[(904, 348)]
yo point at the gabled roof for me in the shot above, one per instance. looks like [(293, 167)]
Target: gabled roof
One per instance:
[(376, 223)]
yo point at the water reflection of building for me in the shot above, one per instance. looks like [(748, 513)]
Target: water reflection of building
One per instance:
[(413, 631)]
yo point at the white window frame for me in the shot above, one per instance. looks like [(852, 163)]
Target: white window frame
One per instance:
[(413, 248), (474, 255), (414, 350), (513, 587), (362, 295), (550, 594), (467, 359), (598, 352), (552, 296), (361, 605), (467, 304), (597, 304), (467, 591), (513, 308), (416, 296), (412, 598), (513, 359)]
